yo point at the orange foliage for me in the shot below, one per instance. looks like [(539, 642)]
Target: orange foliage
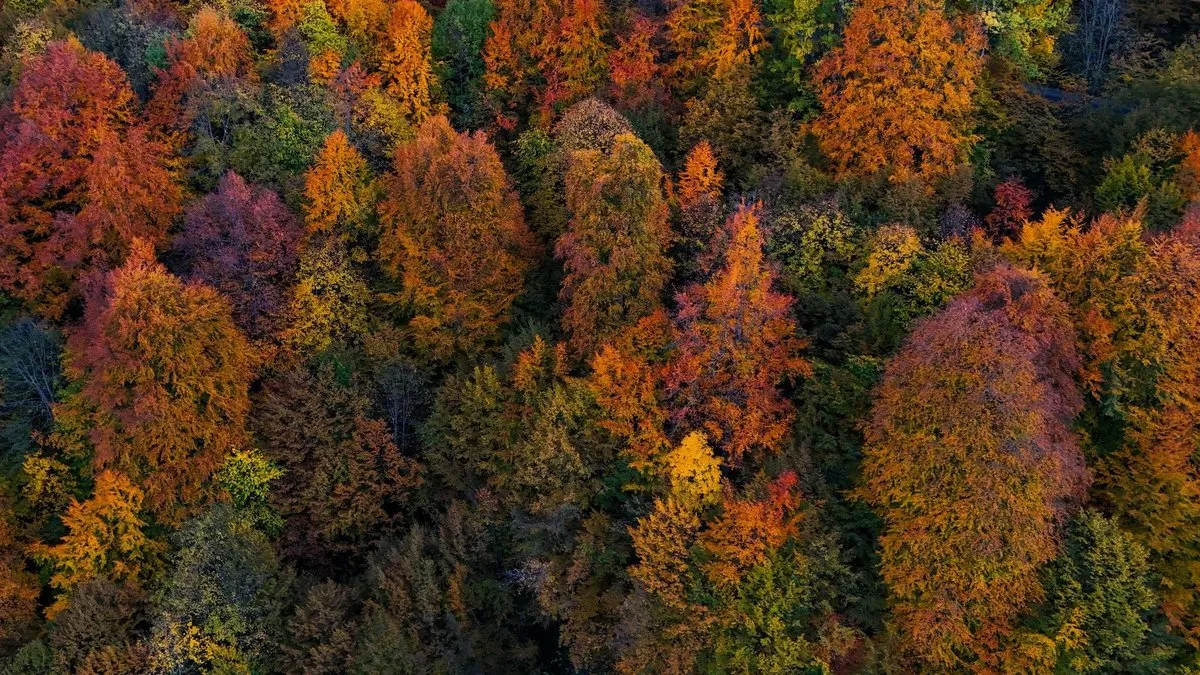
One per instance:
[(164, 375), (971, 462), (79, 179), (104, 538), (214, 50), (405, 62), (453, 235), (736, 340), (633, 69), (713, 38), (338, 190), (749, 529), (898, 91)]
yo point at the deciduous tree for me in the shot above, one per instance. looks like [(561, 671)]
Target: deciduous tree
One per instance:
[(79, 178), (973, 415), (242, 241), (735, 343), (163, 375), (453, 235), (614, 249), (897, 93)]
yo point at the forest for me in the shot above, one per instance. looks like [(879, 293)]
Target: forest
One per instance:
[(813, 337)]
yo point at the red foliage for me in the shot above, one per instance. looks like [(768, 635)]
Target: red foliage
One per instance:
[(79, 180), (243, 241), (1013, 207)]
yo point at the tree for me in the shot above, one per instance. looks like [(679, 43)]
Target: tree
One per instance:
[(973, 415), (712, 39), (105, 538), (735, 342), (459, 33), (18, 588), (163, 375), (1013, 208), (345, 484), (541, 56), (613, 252), (339, 192), (700, 211), (242, 241), (81, 179), (453, 236), (1100, 585), (30, 377), (406, 63), (220, 607), (328, 306), (897, 93)]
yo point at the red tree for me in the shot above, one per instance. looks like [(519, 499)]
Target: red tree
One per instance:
[(79, 179), (243, 241)]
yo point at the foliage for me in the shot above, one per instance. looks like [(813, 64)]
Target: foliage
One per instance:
[(897, 91), (614, 249), (981, 444), (164, 375), (453, 236)]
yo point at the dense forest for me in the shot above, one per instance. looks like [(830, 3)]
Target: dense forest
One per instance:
[(599, 336)]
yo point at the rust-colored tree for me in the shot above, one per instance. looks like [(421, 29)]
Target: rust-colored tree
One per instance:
[(242, 241), (971, 462), (452, 234), (79, 178), (735, 343), (897, 92), (163, 375), (614, 249)]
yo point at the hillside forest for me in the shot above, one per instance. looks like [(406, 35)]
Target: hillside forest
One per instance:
[(542, 337)]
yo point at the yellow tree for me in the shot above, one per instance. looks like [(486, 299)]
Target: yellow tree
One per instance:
[(897, 92), (713, 39), (104, 538)]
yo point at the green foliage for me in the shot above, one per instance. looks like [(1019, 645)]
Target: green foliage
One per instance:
[(459, 31)]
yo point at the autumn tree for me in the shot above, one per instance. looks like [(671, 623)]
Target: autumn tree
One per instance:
[(18, 588), (328, 306), (1013, 207), (80, 177), (406, 63), (613, 252), (1134, 301), (242, 241), (162, 375), (698, 192), (339, 192), (713, 39), (452, 234), (105, 538), (541, 56), (735, 343), (635, 73), (974, 415), (897, 92)]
